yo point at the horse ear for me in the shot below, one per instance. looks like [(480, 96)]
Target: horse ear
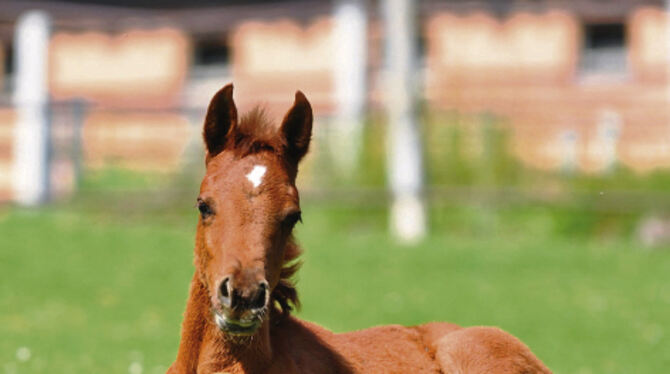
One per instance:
[(220, 120), (297, 127)]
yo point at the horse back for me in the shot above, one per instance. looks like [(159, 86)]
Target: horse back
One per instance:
[(436, 347), (383, 349)]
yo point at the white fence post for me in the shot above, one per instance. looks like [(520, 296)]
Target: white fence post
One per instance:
[(608, 133), (569, 151), (408, 216), (31, 134), (350, 36)]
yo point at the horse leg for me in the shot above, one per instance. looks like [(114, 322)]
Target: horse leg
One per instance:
[(480, 350)]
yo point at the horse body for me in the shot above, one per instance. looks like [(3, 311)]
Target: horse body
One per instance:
[(237, 316)]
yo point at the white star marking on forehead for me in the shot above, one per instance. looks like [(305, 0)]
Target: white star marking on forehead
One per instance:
[(255, 176)]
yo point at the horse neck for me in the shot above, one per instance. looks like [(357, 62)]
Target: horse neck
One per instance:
[(203, 344)]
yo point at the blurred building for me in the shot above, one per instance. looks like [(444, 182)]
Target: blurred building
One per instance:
[(581, 84)]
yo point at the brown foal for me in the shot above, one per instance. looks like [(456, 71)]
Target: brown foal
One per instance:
[(237, 317)]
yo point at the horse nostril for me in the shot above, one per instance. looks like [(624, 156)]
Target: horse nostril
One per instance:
[(225, 292), (261, 296), (223, 288)]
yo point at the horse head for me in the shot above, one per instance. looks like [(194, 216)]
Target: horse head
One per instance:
[(248, 205)]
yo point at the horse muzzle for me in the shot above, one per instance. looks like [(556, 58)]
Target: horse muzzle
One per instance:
[(241, 308)]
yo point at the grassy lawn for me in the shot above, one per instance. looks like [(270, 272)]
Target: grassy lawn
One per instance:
[(83, 291)]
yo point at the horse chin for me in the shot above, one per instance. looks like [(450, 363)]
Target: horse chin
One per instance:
[(235, 327)]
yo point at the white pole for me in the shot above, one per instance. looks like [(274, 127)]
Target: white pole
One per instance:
[(31, 134), (568, 151), (350, 35), (408, 217), (608, 132)]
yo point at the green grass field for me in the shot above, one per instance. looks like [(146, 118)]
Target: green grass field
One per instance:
[(100, 290)]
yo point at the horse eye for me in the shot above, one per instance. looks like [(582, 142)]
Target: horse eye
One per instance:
[(292, 219), (205, 209)]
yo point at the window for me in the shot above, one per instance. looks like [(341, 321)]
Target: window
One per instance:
[(211, 51), (604, 49)]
